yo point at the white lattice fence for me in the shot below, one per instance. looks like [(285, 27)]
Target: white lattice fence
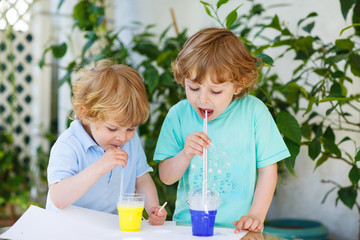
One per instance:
[(16, 63)]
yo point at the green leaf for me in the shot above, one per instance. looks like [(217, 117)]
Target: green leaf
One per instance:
[(308, 28), (205, 3), (231, 18), (147, 49), (346, 44), (338, 74), (312, 100), (346, 6), (357, 157), (354, 175), (310, 15), (321, 160), (92, 39), (331, 146), (266, 59), (221, 2), (286, 32), (60, 4), (81, 15), (207, 10), (151, 78), (275, 23), (336, 90), (329, 111), (305, 47), (354, 60), (335, 59), (348, 196), (294, 150), (163, 57), (329, 134), (314, 148), (59, 50), (167, 79), (306, 130), (344, 140), (289, 126)]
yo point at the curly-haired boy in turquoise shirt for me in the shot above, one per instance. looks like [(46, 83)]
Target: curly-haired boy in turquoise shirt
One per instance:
[(243, 142)]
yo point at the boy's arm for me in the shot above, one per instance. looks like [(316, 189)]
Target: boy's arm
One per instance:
[(172, 169), (145, 185), (69, 190), (264, 192)]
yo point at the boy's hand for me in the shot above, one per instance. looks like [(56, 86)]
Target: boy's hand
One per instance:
[(195, 143), (250, 223), (156, 217), (112, 157)]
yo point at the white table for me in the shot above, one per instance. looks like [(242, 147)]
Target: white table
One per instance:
[(80, 223)]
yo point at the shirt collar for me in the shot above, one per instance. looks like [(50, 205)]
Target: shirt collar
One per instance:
[(80, 133)]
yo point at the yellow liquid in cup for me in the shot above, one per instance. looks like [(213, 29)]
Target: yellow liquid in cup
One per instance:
[(130, 218)]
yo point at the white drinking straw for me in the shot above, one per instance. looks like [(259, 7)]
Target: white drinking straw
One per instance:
[(122, 178), (162, 207), (205, 167)]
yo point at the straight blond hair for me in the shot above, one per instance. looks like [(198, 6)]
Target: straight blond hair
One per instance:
[(110, 91)]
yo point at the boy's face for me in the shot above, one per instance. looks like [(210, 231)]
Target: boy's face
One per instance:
[(108, 134), (213, 97)]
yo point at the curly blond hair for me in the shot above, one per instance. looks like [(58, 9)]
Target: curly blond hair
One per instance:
[(219, 53)]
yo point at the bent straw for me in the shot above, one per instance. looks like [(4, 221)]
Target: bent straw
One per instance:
[(205, 167)]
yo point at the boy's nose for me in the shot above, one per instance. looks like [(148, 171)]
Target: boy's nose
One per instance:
[(121, 137), (204, 97)]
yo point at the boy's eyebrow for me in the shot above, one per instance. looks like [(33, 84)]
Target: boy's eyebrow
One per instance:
[(112, 124)]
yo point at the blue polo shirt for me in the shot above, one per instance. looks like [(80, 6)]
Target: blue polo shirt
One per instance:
[(75, 150)]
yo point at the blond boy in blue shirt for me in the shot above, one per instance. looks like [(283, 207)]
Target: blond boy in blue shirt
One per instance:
[(84, 170)]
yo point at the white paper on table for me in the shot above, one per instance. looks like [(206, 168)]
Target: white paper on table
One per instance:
[(80, 223)]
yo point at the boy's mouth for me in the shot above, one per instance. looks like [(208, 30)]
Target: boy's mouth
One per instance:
[(209, 112)]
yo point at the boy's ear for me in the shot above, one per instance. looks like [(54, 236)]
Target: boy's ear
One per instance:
[(238, 90), (83, 113)]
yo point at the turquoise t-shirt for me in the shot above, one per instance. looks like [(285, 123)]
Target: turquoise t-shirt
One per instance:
[(243, 138)]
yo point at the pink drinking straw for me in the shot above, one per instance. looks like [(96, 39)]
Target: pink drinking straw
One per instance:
[(205, 166)]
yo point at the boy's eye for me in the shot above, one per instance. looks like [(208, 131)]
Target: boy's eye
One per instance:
[(193, 89), (112, 129), (216, 92), (131, 129)]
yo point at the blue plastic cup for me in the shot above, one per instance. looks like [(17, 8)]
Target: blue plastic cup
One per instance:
[(203, 212), (203, 223)]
